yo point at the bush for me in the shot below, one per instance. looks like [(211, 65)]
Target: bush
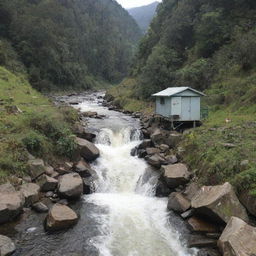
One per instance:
[(66, 146), (33, 142)]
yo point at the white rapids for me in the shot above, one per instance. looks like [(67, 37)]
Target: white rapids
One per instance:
[(135, 222)]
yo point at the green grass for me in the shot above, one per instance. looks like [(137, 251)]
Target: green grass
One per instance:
[(212, 162), (124, 97), (40, 128)]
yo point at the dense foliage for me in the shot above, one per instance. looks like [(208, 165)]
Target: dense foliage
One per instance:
[(196, 43), (66, 43), (144, 15)]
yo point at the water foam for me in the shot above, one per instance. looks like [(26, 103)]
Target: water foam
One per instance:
[(135, 222)]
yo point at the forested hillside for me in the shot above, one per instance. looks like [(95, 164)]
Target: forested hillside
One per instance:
[(144, 15), (65, 43), (200, 43)]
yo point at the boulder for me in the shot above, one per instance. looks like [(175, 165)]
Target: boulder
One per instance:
[(11, 205), (158, 137), (208, 252), (7, 246), (87, 149), (88, 185), (191, 190), (249, 201), (200, 241), (178, 203), (40, 207), (171, 159), (200, 225), (47, 183), (70, 186), (238, 239), (175, 175), (134, 151), (90, 114), (49, 170), (218, 203), (187, 214), (173, 139), (163, 148), (152, 151), (142, 153), (145, 144), (36, 168), (83, 169), (155, 160), (7, 188), (30, 192), (60, 217), (80, 131), (162, 189)]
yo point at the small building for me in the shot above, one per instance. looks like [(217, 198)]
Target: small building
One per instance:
[(179, 104)]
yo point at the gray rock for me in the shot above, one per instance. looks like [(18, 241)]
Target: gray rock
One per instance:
[(173, 139), (87, 149), (238, 239), (70, 186), (47, 183), (175, 175), (40, 207), (187, 214), (201, 225), (155, 160), (63, 201), (83, 169), (208, 252), (158, 137), (49, 194), (162, 189), (11, 205), (249, 202), (7, 188), (142, 153), (178, 203), (60, 217), (171, 159), (163, 148), (30, 192), (200, 241), (218, 203), (145, 144), (191, 190), (49, 170), (152, 151), (36, 168), (7, 246)]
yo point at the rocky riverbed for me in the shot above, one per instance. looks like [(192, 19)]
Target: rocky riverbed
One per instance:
[(111, 199)]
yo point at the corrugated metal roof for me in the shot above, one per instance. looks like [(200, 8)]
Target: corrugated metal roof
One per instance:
[(175, 90)]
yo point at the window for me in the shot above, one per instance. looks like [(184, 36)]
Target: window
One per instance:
[(162, 101)]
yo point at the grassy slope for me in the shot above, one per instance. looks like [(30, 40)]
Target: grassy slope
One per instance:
[(41, 128), (124, 97)]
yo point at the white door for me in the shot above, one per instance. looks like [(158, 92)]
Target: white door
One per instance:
[(186, 108), (176, 106)]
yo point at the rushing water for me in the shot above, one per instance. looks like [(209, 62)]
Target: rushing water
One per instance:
[(122, 217)]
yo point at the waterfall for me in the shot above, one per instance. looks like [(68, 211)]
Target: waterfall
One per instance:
[(134, 223)]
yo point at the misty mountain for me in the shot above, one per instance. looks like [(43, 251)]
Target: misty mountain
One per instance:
[(144, 15)]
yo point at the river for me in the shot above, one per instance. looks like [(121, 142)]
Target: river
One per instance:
[(122, 217)]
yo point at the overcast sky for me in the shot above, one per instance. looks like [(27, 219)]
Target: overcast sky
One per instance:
[(135, 3)]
